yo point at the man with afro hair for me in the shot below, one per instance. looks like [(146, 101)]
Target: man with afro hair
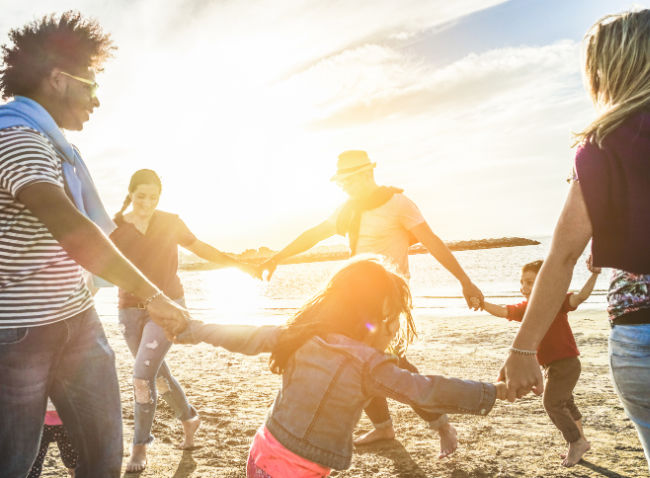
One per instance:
[(51, 341)]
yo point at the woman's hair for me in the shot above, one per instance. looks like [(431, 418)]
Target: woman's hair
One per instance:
[(141, 176), (68, 42), (352, 304), (617, 70)]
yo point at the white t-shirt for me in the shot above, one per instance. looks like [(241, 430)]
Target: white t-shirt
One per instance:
[(385, 230)]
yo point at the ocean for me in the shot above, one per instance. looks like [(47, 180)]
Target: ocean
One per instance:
[(229, 296)]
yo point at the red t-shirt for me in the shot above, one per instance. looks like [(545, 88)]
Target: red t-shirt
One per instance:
[(558, 343), (155, 253)]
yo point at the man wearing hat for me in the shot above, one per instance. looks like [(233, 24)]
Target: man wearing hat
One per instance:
[(382, 220)]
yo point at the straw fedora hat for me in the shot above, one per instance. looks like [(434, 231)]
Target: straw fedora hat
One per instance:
[(351, 163)]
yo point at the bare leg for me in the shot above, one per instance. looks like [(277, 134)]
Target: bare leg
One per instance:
[(448, 440), (575, 452), (189, 428), (380, 432), (138, 459), (582, 435)]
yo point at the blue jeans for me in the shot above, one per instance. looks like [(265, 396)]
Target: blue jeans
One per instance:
[(71, 362), (629, 355), (149, 345)]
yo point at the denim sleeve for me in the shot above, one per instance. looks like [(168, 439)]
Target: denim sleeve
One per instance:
[(243, 339), (432, 393)]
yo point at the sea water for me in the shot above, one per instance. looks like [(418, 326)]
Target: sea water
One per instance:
[(229, 296)]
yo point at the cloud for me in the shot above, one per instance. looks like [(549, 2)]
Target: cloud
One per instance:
[(375, 82)]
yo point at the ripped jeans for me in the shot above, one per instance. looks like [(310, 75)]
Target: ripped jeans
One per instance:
[(148, 344)]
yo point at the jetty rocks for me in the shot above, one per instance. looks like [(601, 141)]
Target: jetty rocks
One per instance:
[(338, 253)]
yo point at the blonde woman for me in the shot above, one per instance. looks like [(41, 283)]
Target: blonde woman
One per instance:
[(608, 202)]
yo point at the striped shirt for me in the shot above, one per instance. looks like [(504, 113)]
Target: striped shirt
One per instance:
[(39, 282)]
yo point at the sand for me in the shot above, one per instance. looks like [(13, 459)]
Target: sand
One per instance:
[(232, 393)]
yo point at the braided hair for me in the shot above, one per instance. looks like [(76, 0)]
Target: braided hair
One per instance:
[(141, 176)]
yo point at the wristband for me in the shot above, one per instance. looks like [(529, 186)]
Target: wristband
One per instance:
[(522, 351), (150, 299)]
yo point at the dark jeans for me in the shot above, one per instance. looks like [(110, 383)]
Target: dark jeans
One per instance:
[(561, 378), (377, 409), (71, 362)]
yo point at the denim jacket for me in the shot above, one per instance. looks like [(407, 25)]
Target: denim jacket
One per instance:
[(328, 382)]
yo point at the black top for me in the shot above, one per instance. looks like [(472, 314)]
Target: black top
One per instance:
[(155, 253)]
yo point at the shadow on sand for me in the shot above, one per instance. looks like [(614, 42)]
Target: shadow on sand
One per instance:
[(185, 467), (404, 465), (603, 471)]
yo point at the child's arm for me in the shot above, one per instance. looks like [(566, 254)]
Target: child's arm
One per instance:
[(576, 299), (243, 339), (496, 310), (432, 393)]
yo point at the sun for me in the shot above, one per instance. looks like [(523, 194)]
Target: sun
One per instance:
[(227, 296)]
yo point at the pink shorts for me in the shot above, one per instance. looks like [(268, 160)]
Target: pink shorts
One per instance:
[(253, 471), (268, 458)]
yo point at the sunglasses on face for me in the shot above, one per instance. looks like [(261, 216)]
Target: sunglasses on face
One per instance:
[(91, 84)]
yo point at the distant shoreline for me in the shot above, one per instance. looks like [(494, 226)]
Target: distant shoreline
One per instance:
[(257, 256)]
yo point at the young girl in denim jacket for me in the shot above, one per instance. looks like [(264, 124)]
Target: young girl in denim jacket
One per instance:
[(331, 357)]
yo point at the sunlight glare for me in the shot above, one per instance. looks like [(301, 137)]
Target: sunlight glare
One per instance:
[(231, 297)]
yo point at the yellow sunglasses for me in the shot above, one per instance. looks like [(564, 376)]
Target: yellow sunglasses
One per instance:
[(92, 84)]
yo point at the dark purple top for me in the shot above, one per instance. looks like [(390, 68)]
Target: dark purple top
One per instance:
[(615, 183), (155, 252)]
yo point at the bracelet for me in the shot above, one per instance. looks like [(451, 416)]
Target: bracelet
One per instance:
[(522, 351), (149, 300)]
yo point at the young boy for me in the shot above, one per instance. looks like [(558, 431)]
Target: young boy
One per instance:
[(558, 354)]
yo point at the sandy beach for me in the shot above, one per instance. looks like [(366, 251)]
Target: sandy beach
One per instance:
[(232, 393)]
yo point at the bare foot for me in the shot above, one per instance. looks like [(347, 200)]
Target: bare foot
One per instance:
[(575, 452), (189, 427), (448, 440), (138, 459), (375, 435)]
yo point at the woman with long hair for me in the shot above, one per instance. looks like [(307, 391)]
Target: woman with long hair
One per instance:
[(332, 359), (609, 203), (149, 238)]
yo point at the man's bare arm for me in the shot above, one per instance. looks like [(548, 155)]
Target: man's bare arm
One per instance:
[(442, 254), (302, 243), (82, 239)]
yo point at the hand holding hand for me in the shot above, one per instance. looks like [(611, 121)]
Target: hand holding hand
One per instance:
[(502, 390), (250, 269), (188, 336), (168, 314), (590, 265), (473, 296), (521, 375), (268, 267)]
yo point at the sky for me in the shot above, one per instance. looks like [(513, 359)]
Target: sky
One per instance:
[(243, 106)]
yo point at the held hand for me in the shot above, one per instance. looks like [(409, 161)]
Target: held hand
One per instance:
[(168, 314), (251, 270), (521, 375), (189, 336), (502, 390), (268, 267), (590, 265), (473, 296)]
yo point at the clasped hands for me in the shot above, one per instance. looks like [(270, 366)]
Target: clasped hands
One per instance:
[(169, 315)]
